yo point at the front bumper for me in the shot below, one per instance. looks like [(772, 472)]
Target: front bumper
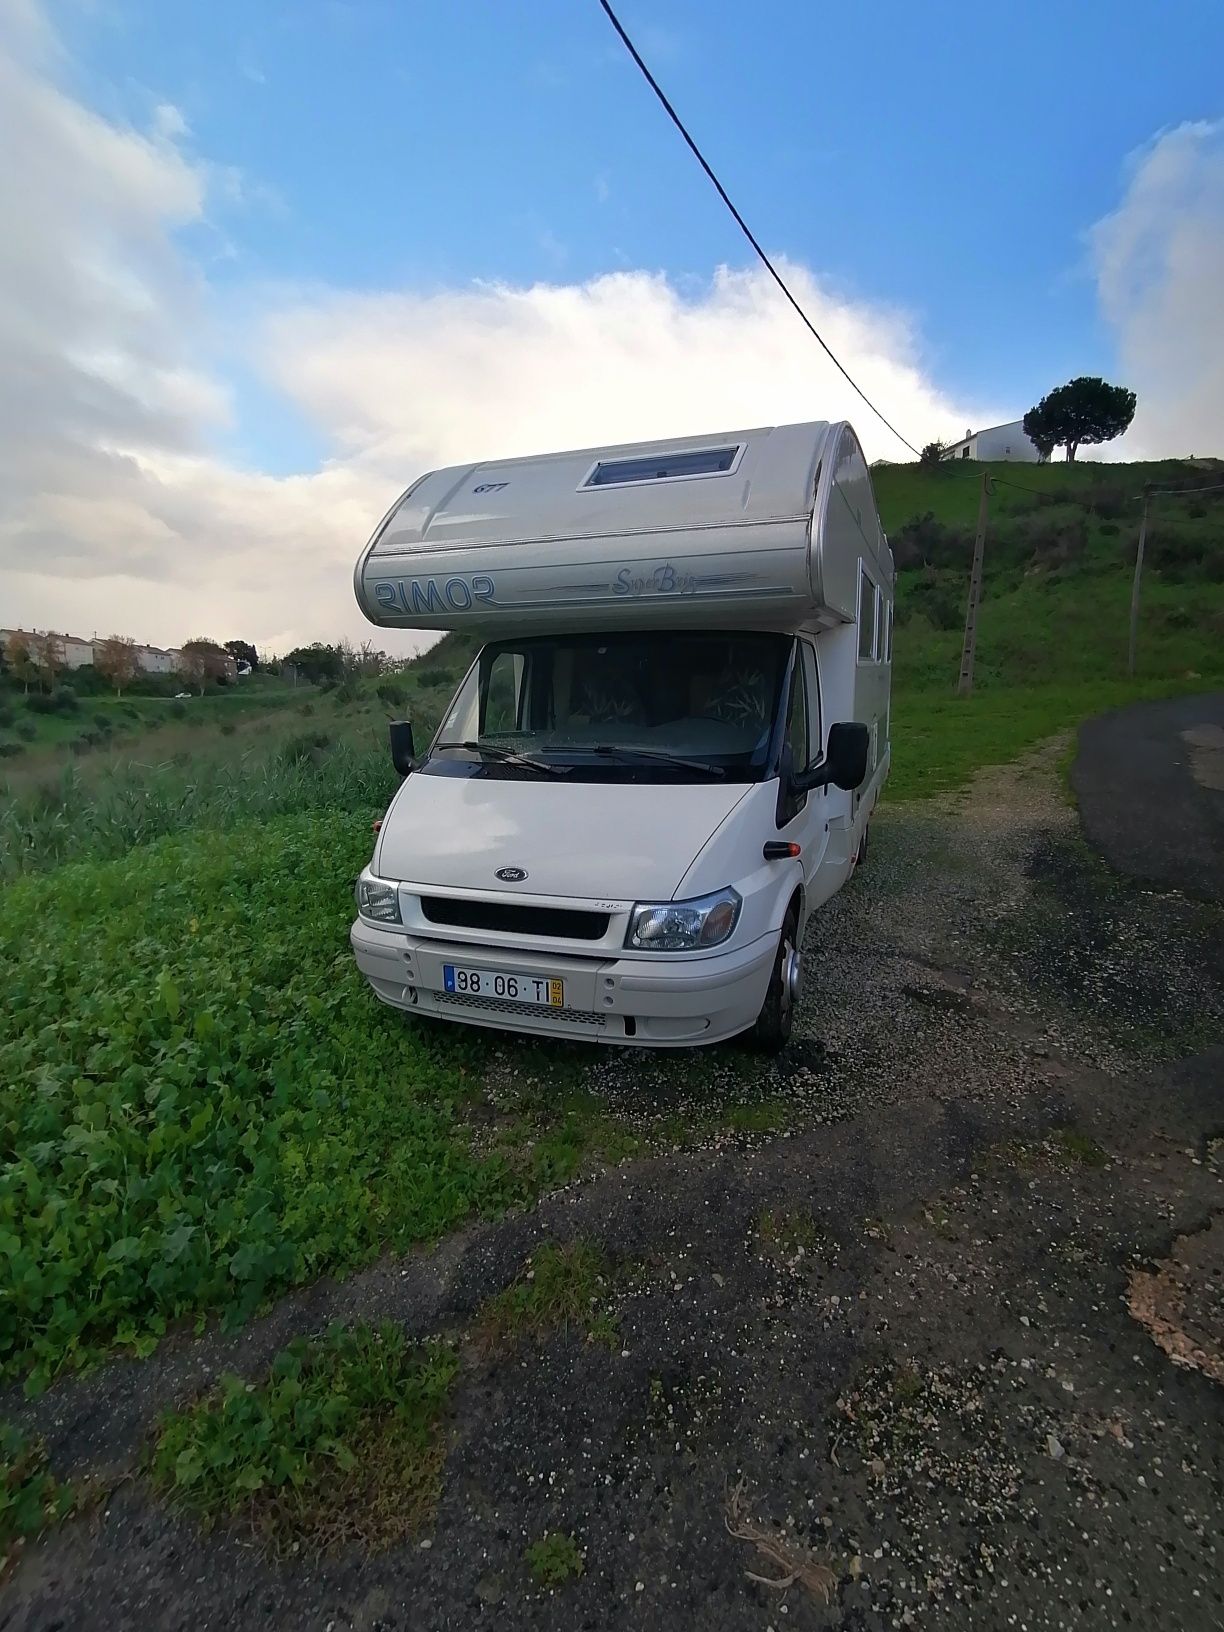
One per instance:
[(652, 1002)]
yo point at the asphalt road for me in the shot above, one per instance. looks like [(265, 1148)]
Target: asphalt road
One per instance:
[(1150, 783)]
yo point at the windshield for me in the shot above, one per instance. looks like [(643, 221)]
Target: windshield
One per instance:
[(662, 705)]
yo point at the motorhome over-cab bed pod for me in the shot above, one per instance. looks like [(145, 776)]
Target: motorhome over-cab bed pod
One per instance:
[(747, 529)]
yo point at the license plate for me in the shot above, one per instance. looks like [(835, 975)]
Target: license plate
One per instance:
[(511, 985)]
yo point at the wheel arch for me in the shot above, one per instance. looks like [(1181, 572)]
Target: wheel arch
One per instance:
[(798, 900)]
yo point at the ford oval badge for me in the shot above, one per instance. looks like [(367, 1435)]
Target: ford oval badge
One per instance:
[(511, 875)]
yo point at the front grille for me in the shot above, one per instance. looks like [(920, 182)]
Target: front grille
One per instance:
[(506, 1005), (515, 920)]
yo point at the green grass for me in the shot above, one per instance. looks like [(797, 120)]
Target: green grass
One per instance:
[(787, 1231), (940, 740), (204, 1102), (951, 491), (1062, 1149), (214, 770), (562, 1289), (1079, 1148), (31, 1498), (80, 811), (555, 1559), (341, 1442), (761, 1116), (1057, 581)]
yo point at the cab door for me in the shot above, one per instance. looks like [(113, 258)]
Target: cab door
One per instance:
[(802, 817)]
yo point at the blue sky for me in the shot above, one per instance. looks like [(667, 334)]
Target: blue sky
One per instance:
[(942, 157), (268, 260)]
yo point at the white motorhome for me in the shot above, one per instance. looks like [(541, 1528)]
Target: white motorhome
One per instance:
[(665, 756)]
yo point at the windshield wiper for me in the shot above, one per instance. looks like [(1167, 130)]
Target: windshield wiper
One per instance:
[(608, 750), (507, 756)]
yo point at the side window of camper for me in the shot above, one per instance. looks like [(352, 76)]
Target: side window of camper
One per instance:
[(503, 694), (791, 803), (867, 617), (797, 718), (815, 721)]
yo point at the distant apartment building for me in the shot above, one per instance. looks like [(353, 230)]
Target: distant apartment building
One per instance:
[(72, 652), (159, 660), (77, 652)]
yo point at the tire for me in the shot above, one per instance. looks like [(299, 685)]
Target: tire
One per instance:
[(772, 1030)]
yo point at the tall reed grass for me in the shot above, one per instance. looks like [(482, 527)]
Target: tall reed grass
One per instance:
[(79, 813)]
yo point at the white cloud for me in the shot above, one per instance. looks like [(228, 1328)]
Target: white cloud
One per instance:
[(402, 379), (1159, 262), (118, 512), (169, 122)]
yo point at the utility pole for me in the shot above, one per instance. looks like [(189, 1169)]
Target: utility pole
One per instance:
[(964, 686), (1134, 618)]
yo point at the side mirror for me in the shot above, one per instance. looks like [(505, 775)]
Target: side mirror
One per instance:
[(403, 750), (846, 755), (844, 763)]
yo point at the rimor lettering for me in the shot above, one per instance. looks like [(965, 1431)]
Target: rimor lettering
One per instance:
[(427, 597)]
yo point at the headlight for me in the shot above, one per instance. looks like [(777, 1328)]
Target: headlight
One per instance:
[(377, 900), (684, 926)]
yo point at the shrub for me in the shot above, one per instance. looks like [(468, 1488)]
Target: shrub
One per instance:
[(1109, 501), (924, 541), (31, 1499), (26, 730), (433, 677), (1052, 541), (554, 1559), (6, 714), (177, 709), (939, 598), (1180, 553), (228, 728), (393, 692), (86, 681), (9, 749), (308, 746)]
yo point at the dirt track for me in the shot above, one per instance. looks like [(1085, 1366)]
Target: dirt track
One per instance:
[(899, 1328)]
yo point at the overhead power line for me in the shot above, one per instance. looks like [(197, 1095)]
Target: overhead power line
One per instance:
[(743, 225)]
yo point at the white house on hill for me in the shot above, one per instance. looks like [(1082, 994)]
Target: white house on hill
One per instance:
[(997, 442)]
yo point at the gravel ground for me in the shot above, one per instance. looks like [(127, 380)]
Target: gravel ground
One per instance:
[(937, 1349)]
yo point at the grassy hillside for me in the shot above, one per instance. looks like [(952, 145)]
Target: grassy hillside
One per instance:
[(1057, 576)]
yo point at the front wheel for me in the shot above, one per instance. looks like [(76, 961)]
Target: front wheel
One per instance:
[(772, 1030)]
